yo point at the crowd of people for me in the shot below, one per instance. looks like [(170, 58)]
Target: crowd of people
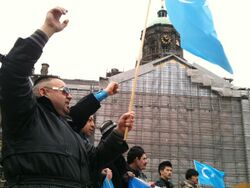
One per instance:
[(46, 141)]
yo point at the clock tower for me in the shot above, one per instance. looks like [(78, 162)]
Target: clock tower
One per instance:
[(161, 39)]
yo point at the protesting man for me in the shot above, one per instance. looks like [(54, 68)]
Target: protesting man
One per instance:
[(40, 149)]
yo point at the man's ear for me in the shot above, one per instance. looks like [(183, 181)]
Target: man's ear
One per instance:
[(136, 159), (161, 171), (42, 92)]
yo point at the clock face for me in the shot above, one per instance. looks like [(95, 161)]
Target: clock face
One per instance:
[(165, 39)]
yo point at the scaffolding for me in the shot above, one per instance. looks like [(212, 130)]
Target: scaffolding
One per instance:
[(182, 121)]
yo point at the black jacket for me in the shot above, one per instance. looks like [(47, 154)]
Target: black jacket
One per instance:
[(81, 111), (138, 173), (163, 183), (118, 168), (39, 146)]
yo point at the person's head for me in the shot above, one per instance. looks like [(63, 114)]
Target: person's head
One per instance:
[(136, 158), (89, 128), (165, 170), (192, 175), (55, 90), (106, 128)]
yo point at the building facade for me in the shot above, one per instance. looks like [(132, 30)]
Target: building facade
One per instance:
[(183, 112)]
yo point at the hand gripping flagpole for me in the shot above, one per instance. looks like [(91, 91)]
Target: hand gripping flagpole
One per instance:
[(132, 97)]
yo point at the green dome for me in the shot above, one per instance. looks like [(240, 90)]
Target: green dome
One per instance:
[(160, 20)]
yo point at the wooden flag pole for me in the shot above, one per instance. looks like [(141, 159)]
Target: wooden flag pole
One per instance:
[(132, 97)]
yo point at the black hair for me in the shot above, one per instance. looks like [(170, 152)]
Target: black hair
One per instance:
[(135, 151), (45, 78), (191, 172), (163, 165)]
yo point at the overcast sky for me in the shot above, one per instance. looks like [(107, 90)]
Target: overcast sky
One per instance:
[(105, 34)]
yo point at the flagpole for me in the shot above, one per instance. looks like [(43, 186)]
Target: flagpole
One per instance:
[(132, 97)]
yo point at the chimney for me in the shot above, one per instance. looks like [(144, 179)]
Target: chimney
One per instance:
[(113, 72), (44, 69)]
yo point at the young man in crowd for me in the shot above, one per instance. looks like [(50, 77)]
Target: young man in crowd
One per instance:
[(191, 179), (136, 163), (165, 171)]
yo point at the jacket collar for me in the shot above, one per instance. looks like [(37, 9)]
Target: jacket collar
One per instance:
[(47, 103), (189, 183), (136, 172), (165, 181)]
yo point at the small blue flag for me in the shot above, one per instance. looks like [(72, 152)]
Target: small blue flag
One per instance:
[(209, 175), (193, 20), (107, 183), (137, 183)]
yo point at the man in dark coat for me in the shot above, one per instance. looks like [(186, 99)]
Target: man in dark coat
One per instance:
[(40, 149), (165, 171), (191, 179), (136, 163), (118, 166)]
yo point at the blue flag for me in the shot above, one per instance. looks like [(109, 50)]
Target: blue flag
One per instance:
[(193, 20), (107, 183), (137, 183), (209, 175)]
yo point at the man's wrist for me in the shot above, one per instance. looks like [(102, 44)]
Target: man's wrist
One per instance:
[(118, 132), (101, 95), (49, 31), (39, 37)]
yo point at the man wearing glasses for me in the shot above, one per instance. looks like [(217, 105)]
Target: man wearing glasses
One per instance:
[(40, 149), (79, 114)]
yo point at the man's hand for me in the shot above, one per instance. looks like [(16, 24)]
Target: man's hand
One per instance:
[(108, 173), (151, 184), (125, 121), (112, 88), (52, 22), (130, 174)]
